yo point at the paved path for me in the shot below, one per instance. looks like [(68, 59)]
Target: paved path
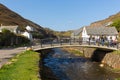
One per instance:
[(6, 54)]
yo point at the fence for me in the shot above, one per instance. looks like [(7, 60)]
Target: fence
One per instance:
[(69, 41)]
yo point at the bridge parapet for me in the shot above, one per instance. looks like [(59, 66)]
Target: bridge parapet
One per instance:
[(66, 42)]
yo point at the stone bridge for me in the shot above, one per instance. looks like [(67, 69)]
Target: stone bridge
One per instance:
[(102, 53), (67, 42)]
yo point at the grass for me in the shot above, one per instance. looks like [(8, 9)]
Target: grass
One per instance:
[(21, 67), (116, 52), (77, 52), (74, 51)]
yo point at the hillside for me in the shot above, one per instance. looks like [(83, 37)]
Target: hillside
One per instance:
[(106, 21), (8, 17)]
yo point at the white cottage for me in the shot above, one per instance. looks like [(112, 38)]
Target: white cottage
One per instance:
[(27, 34), (95, 32), (28, 31), (85, 35), (15, 29)]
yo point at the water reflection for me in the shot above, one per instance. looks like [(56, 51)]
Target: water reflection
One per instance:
[(67, 66)]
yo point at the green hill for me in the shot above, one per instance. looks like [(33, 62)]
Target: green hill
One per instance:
[(107, 20)]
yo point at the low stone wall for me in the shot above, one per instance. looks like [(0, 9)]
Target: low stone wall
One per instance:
[(112, 59)]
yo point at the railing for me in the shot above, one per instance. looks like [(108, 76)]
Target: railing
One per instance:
[(68, 41)]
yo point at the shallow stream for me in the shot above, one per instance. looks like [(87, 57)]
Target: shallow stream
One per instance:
[(67, 66)]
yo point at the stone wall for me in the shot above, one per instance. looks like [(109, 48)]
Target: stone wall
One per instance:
[(112, 59), (107, 57)]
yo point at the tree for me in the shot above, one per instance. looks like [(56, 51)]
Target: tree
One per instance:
[(37, 35), (116, 24), (8, 38)]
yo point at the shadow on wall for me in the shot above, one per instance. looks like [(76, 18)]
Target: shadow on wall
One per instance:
[(99, 54)]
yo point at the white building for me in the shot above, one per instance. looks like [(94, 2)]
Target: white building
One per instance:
[(28, 31), (110, 33), (85, 35), (15, 29), (29, 28), (27, 34)]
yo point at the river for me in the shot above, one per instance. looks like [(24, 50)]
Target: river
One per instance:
[(67, 66)]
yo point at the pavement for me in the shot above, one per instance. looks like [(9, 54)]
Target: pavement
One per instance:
[(8, 53)]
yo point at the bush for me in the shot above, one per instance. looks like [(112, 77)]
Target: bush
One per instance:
[(8, 38), (116, 24)]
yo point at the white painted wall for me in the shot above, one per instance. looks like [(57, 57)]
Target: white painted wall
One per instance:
[(113, 37), (28, 35), (85, 36), (29, 28)]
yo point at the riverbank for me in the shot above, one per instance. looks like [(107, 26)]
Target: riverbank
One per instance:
[(23, 66), (45, 72), (111, 58)]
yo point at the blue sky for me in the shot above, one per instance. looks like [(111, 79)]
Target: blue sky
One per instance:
[(62, 15)]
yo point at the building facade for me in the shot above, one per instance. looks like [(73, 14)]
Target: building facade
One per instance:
[(95, 33), (15, 29), (28, 33)]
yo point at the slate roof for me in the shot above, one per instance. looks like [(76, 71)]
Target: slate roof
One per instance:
[(98, 31), (101, 31), (77, 32)]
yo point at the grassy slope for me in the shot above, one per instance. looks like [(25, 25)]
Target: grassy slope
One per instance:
[(109, 19), (24, 67)]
